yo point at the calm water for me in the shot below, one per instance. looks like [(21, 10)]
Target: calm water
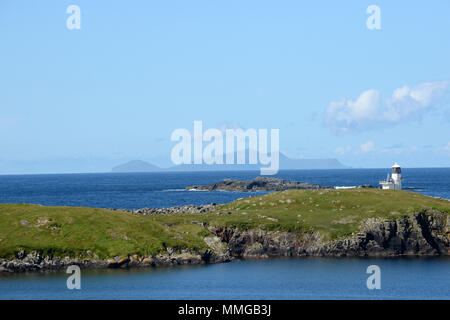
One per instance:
[(138, 190), (310, 278)]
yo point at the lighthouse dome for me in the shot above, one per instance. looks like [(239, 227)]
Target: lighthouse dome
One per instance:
[(396, 168)]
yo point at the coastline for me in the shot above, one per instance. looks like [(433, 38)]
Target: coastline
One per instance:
[(298, 221), (422, 234)]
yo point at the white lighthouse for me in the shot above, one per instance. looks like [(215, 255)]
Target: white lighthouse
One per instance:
[(394, 180)]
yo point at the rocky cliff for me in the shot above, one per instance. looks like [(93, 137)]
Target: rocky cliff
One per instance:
[(425, 233), (418, 234)]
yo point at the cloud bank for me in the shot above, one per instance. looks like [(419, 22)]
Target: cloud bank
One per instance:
[(367, 146), (370, 111)]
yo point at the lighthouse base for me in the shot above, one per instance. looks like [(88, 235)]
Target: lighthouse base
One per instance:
[(388, 185)]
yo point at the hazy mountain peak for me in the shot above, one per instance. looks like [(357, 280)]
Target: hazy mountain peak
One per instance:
[(285, 164), (135, 166)]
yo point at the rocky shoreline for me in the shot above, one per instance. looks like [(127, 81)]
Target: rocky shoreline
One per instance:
[(425, 233), (418, 234), (257, 184), (190, 208)]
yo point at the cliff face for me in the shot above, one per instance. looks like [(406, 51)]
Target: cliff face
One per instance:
[(416, 234), (419, 234)]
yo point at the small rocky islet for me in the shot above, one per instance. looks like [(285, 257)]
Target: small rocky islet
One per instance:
[(261, 184), (257, 184), (300, 221)]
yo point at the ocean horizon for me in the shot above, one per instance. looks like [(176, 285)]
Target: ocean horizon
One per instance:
[(162, 189)]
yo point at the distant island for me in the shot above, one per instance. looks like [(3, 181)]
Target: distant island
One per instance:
[(135, 166), (285, 164), (257, 184)]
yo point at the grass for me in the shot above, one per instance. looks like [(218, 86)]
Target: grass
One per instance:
[(333, 213), (72, 231)]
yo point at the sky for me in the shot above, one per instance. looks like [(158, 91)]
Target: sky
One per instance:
[(84, 100)]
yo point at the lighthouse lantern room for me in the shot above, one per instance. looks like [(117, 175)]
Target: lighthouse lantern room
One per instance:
[(393, 180)]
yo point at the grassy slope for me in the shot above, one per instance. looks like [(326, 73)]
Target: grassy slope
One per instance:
[(73, 231)]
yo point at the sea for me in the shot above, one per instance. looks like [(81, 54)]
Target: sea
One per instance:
[(305, 278)]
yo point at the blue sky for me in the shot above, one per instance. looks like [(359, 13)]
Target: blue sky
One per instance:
[(86, 100)]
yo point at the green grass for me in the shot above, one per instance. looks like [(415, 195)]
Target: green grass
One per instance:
[(333, 213), (70, 231)]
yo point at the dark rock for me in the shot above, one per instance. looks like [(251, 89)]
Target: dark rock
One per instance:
[(257, 184), (190, 208), (415, 234), (418, 234)]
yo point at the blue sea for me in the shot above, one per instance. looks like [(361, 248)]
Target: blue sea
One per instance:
[(307, 278), (165, 189)]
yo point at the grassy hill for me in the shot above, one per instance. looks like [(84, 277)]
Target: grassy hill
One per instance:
[(72, 231)]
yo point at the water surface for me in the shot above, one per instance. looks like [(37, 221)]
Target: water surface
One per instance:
[(307, 278), (165, 189)]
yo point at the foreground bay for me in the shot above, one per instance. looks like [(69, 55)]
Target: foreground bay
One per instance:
[(309, 278)]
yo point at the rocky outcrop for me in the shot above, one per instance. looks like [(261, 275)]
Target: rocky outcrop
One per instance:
[(416, 234), (257, 184), (35, 261), (190, 208), (258, 243), (425, 233)]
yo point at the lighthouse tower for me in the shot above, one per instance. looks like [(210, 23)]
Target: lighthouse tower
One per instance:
[(397, 176), (393, 181)]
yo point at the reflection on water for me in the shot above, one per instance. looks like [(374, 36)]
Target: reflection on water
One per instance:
[(309, 278)]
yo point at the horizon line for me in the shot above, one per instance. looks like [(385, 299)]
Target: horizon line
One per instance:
[(204, 170)]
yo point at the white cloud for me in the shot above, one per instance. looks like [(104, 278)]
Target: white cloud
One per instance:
[(400, 149), (369, 110), (367, 146), (447, 147)]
